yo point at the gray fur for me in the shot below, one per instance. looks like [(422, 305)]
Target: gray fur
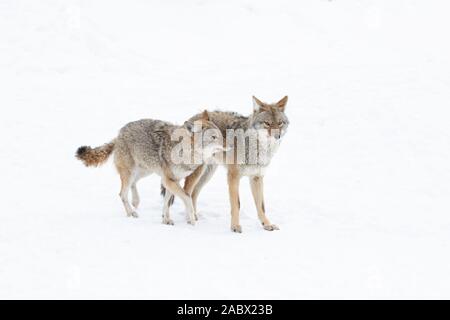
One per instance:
[(264, 116), (231, 120), (144, 147)]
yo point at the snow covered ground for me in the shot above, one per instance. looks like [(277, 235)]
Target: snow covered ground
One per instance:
[(360, 186)]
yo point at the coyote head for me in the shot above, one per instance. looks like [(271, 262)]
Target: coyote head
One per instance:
[(270, 117), (210, 137)]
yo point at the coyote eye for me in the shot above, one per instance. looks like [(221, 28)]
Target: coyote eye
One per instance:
[(214, 137), (267, 124), (280, 124)]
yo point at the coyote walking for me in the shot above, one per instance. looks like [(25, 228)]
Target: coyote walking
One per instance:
[(269, 119), (144, 147)]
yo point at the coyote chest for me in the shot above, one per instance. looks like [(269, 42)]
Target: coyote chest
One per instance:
[(252, 170), (264, 157)]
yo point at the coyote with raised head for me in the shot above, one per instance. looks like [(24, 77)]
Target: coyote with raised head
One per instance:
[(147, 146), (271, 123)]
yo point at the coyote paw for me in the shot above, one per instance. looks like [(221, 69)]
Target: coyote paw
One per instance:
[(168, 221), (191, 221), (270, 227), (196, 216), (236, 228), (133, 214)]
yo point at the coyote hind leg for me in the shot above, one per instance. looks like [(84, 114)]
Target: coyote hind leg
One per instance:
[(126, 179)]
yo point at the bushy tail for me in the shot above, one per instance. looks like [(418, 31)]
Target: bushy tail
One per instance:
[(96, 156)]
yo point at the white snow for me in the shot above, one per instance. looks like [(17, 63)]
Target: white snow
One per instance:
[(360, 186)]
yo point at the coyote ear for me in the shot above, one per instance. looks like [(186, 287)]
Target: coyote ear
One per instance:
[(257, 104), (282, 103), (205, 115), (189, 125)]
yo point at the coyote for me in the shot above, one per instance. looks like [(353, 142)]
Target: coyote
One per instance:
[(268, 119), (146, 146)]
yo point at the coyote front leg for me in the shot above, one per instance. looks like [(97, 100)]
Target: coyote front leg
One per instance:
[(134, 195), (256, 184), (175, 188), (166, 208), (191, 182), (126, 179), (233, 188)]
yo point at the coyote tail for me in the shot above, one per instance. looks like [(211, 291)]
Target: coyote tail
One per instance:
[(93, 157)]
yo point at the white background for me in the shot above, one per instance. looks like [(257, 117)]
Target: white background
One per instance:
[(359, 187)]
